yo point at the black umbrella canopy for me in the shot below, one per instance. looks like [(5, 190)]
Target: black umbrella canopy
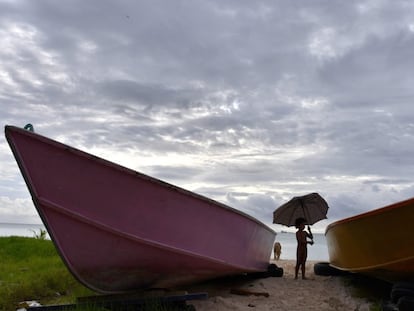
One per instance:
[(312, 207)]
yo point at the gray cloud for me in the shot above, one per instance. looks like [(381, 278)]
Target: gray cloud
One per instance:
[(249, 103)]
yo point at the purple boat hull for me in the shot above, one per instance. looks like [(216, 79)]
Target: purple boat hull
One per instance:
[(118, 230)]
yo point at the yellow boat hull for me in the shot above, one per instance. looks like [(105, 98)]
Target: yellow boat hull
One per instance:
[(379, 243)]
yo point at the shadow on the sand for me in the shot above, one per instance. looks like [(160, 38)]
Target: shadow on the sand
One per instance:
[(375, 290), (234, 283)]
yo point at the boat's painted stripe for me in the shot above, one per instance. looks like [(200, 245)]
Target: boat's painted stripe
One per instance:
[(373, 267)]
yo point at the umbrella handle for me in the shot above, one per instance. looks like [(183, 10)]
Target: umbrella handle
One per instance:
[(305, 212)]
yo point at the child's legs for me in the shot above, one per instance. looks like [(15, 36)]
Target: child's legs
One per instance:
[(297, 268), (300, 261), (303, 262), (301, 256)]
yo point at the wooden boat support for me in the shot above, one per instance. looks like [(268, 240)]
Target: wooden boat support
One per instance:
[(122, 302)]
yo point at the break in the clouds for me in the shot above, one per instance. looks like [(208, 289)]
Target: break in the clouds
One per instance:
[(246, 102)]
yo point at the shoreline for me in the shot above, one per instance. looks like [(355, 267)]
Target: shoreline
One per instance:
[(284, 293)]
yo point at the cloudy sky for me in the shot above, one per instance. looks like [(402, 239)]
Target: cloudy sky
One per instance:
[(246, 102)]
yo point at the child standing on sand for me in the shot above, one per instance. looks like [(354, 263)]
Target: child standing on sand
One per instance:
[(302, 250)]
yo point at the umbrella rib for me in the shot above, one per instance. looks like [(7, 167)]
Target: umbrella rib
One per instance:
[(298, 207)]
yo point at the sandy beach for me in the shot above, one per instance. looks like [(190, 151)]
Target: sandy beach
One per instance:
[(283, 293)]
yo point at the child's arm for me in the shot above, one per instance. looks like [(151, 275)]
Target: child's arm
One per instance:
[(310, 235)]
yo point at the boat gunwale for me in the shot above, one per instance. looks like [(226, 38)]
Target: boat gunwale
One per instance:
[(124, 169), (377, 211)]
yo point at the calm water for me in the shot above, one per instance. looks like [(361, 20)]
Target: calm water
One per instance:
[(317, 251), (27, 230)]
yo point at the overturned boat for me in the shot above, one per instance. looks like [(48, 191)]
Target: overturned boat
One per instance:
[(118, 230)]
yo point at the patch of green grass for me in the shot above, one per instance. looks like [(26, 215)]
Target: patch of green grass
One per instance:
[(31, 269)]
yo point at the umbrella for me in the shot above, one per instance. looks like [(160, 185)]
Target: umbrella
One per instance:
[(312, 207)]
